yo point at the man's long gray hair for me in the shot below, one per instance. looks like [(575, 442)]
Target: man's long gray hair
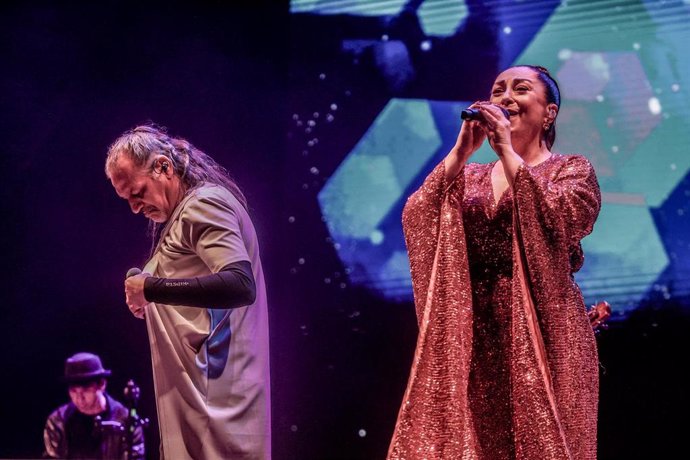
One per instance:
[(189, 163)]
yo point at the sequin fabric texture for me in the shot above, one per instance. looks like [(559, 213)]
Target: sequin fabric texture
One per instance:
[(506, 363)]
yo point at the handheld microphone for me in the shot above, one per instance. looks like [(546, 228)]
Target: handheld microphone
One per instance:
[(132, 271), (474, 114)]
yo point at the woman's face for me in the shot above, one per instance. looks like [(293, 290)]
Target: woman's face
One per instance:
[(520, 91)]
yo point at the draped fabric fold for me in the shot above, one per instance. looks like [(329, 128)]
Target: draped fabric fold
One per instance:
[(434, 417), (505, 364)]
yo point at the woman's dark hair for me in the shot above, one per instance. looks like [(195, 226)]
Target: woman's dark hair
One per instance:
[(553, 95)]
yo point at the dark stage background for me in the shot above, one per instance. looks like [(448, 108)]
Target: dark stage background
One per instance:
[(283, 97)]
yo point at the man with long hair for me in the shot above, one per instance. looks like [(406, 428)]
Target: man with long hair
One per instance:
[(203, 297)]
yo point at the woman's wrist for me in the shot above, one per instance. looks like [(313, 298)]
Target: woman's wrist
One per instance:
[(461, 153)]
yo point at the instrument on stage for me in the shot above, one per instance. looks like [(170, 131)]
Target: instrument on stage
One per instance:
[(118, 438), (134, 421)]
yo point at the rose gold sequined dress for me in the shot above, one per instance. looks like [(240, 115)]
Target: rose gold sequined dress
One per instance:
[(506, 361)]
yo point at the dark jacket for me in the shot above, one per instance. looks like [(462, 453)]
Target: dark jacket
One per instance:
[(70, 434)]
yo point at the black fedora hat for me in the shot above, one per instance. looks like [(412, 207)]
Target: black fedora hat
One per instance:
[(83, 367)]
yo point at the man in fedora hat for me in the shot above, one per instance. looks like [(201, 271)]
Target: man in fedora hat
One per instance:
[(92, 424)]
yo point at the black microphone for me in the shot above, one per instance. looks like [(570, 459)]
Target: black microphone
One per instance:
[(132, 271), (474, 114)]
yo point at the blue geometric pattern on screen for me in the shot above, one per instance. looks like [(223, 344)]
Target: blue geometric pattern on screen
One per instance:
[(626, 106)]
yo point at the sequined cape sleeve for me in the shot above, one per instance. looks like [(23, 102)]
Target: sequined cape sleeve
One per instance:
[(434, 420), (552, 213)]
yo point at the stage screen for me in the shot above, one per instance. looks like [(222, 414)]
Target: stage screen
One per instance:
[(376, 89)]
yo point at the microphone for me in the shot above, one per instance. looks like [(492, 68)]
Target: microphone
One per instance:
[(132, 271), (474, 114)]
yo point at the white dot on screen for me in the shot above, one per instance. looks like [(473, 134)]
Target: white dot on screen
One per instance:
[(362, 433), (654, 106), (376, 237), (565, 54), (507, 30)]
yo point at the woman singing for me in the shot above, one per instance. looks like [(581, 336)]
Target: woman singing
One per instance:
[(506, 361)]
